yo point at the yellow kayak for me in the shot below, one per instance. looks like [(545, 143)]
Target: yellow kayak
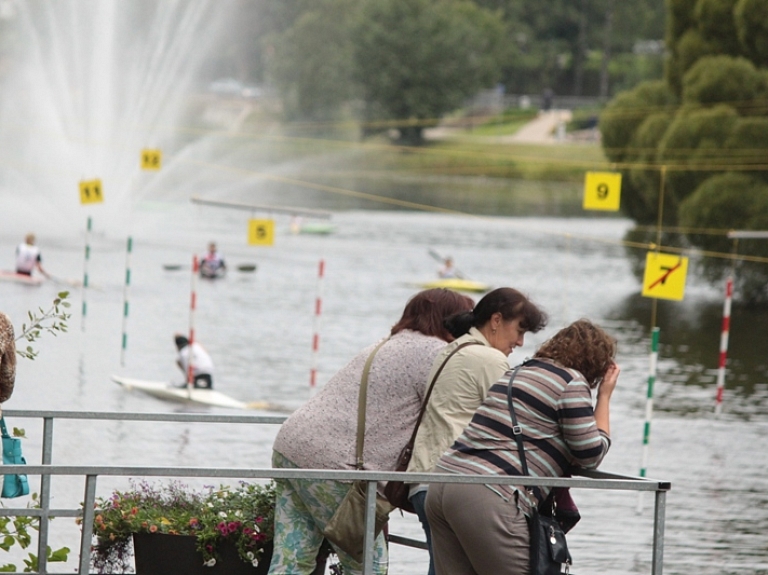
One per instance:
[(457, 284)]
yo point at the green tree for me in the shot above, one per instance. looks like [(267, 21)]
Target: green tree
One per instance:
[(737, 201), (715, 121), (313, 61), (415, 60)]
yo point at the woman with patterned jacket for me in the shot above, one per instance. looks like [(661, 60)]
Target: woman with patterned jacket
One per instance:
[(323, 433)]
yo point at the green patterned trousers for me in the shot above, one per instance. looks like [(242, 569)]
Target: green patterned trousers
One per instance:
[(302, 509)]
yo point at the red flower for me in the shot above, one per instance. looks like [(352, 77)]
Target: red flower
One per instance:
[(153, 528)]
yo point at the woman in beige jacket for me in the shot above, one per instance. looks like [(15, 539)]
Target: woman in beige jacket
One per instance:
[(494, 328)]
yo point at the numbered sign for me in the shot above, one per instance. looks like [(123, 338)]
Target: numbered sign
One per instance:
[(602, 191), (91, 192), (151, 159), (665, 276), (261, 232)]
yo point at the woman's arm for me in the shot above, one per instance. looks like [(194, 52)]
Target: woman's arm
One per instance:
[(602, 408)]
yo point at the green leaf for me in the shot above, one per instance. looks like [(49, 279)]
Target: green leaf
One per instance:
[(59, 555), (9, 568)]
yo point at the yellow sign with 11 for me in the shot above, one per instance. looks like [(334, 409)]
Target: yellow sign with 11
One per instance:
[(91, 192)]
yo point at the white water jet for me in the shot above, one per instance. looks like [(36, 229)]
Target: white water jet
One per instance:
[(89, 85)]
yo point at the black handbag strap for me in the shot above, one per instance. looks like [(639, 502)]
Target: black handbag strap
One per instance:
[(517, 433)]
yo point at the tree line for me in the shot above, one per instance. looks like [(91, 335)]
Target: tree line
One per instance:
[(694, 146), (412, 61)]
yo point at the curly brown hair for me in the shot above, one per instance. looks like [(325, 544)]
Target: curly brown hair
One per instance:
[(582, 346)]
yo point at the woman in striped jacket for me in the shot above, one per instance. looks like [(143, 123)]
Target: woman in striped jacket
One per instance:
[(481, 529)]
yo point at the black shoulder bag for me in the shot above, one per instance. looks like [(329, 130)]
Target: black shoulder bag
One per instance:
[(549, 551)]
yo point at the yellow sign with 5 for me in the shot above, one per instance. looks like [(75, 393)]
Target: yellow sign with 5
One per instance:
[(151, 159), (261, 232), (665, 276), (91, 192), (602, 191)]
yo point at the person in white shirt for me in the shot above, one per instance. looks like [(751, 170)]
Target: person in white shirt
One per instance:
[(448, 271), (28, 257), (202, 364)]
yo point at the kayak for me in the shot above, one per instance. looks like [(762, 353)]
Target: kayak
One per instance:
[(316, 228), (9, 276), (167, 391), (457, 284)]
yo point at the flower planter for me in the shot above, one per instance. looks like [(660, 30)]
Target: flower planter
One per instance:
[(162, 554)]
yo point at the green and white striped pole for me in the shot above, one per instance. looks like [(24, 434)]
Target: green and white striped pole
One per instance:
[(649, 408), (129, 249), (85, 270)]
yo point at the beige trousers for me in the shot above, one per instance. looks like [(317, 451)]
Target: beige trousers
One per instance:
[(476, 532)]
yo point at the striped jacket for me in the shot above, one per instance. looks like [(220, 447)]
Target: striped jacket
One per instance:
[(553, 405)]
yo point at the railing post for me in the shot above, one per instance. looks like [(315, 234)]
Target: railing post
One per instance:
[(370, 527), (658, 532), (87, 526), (45, 497)]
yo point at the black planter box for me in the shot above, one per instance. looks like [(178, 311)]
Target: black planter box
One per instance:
[(162, 554)]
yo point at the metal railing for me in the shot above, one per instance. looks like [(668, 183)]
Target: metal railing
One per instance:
[(587, 480)]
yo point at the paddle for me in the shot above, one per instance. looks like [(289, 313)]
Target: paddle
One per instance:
[(441, 259), (246, 268)]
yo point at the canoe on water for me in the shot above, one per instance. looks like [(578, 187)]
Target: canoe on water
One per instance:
[(457, 284), (165, 390), (8, 276)]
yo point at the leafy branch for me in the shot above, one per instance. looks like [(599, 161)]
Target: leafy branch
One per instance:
[(16, 531), (54, 320)]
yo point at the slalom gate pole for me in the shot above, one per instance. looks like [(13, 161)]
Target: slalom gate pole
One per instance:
[(649, 408), (85, 271), (192, 307), (129, 249), (724, 345), (316, 327)]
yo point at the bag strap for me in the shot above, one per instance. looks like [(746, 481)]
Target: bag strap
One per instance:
[(517, 432), (361, 403), (3, 429), (423, 409)]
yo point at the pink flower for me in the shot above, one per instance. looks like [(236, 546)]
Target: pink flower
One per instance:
[(233, 525), (222, 527), (259, 519)]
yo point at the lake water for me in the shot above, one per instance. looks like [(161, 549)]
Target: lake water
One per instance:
[(258, 327)]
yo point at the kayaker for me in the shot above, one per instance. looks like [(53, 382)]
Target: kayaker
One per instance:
[(28, 257), (448, 271), (202, 364), (212, 264)]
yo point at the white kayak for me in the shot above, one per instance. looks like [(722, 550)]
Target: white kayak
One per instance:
[(164, 390), (8, 276)]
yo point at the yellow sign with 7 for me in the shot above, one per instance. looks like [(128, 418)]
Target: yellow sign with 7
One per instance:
[(665, 276)]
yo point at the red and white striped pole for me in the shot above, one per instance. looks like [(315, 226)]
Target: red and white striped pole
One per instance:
[(316, 326), (192, 307), (724, 345)]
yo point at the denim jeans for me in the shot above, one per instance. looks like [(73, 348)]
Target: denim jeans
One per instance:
[(418, 501)]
